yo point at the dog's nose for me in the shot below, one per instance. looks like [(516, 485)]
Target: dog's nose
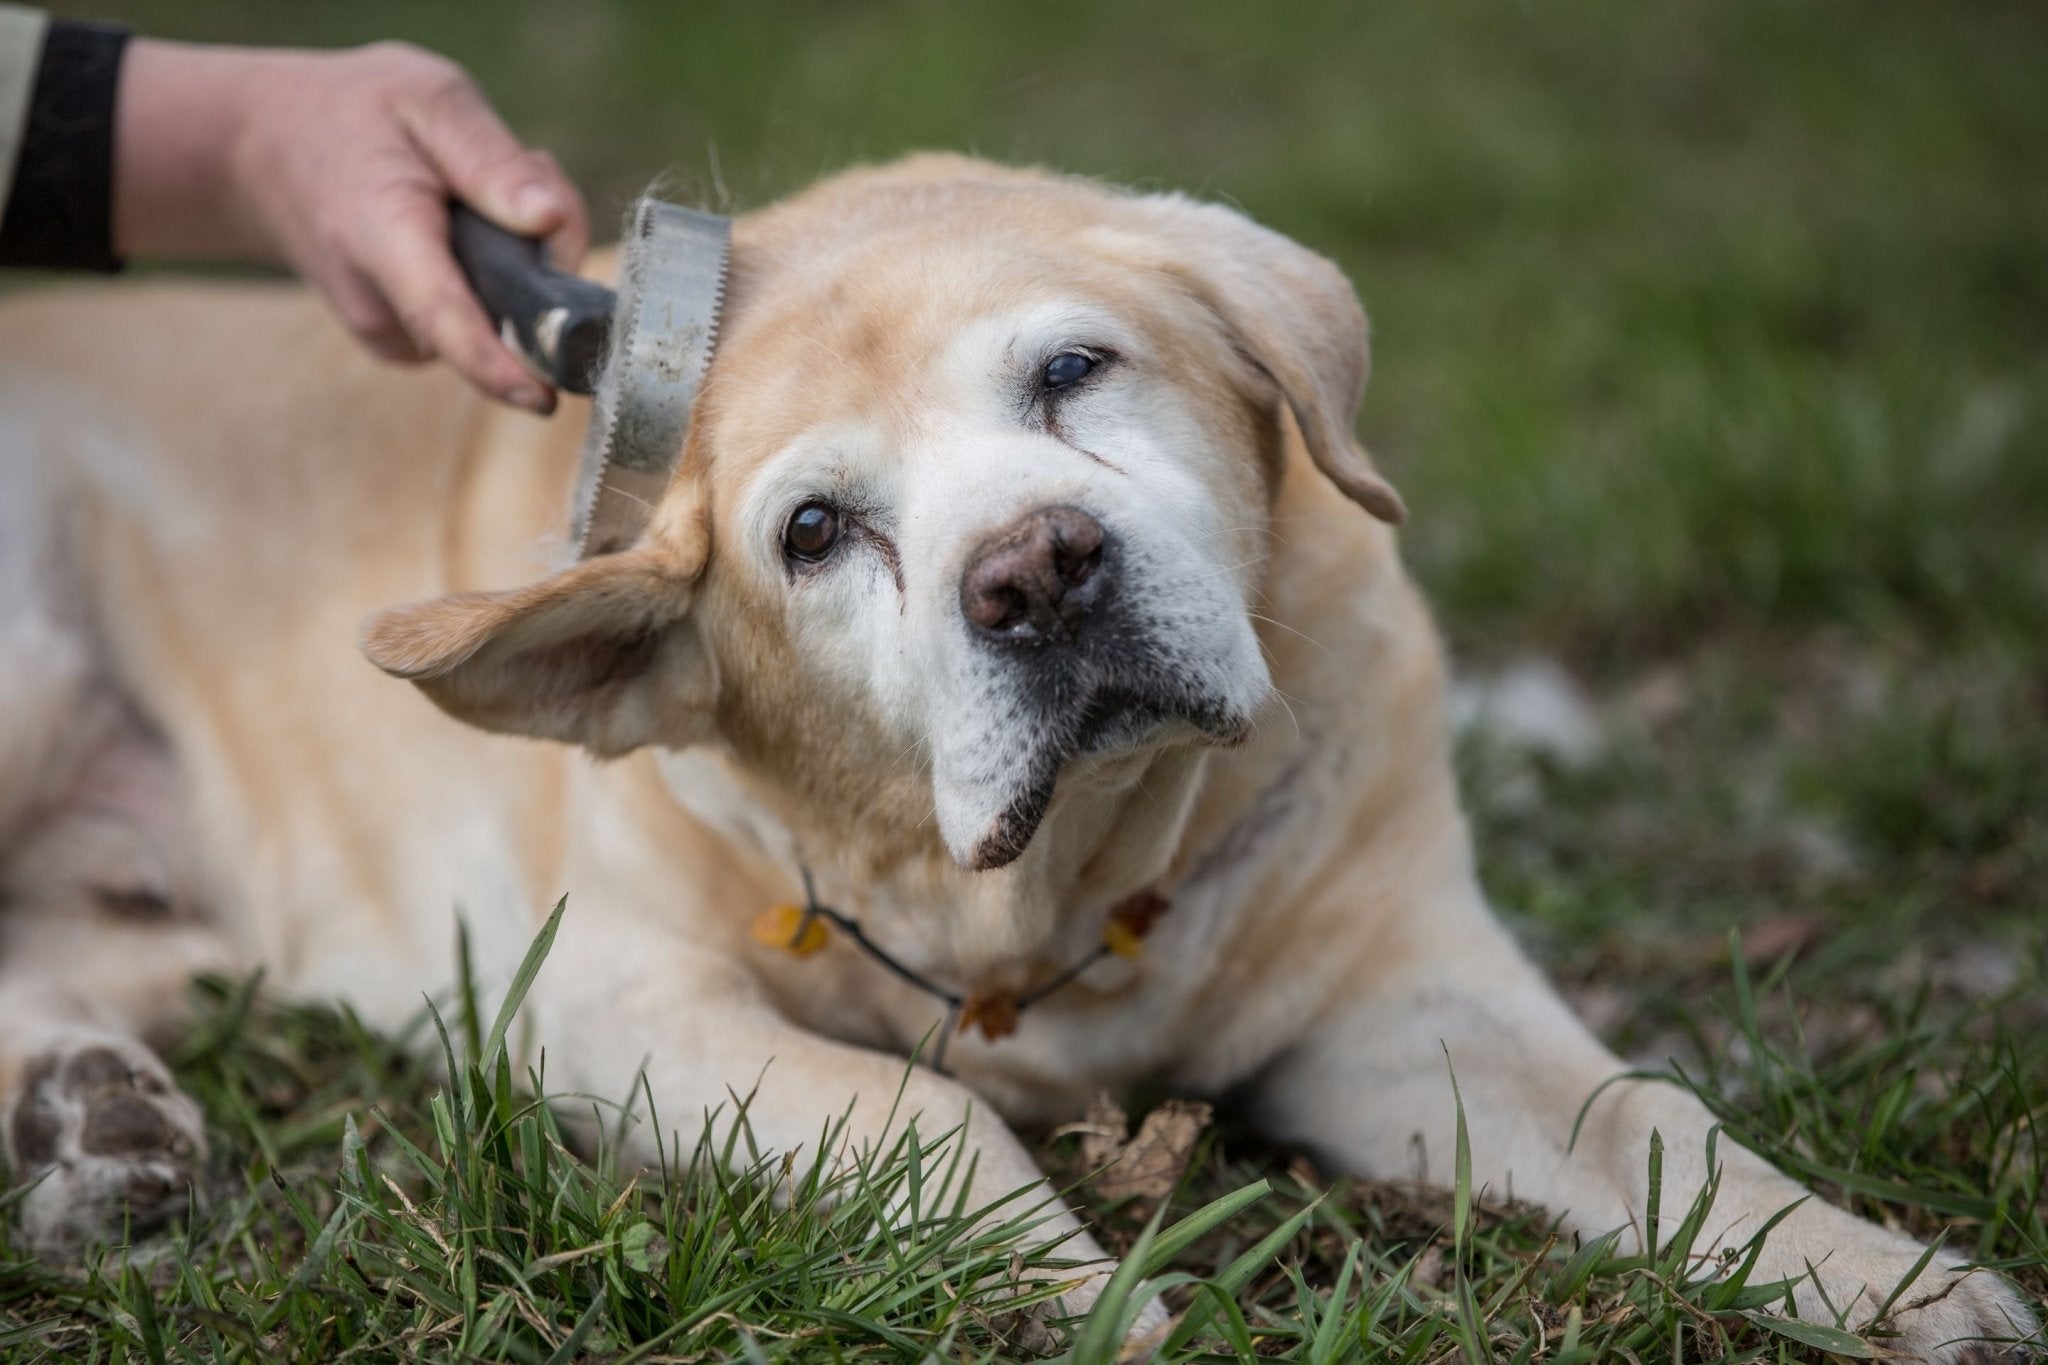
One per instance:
[(1033, 583)]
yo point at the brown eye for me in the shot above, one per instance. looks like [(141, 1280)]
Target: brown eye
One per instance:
[(812, 531)]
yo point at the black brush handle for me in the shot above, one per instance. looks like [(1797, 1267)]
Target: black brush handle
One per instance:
[(559, 322)]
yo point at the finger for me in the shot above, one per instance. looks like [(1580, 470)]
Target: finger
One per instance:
[(392, 344), (477, 157), (409, 263), (368, 318)]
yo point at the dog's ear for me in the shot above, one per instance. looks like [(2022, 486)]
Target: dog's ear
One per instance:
[(1293, 314), (604, 654)]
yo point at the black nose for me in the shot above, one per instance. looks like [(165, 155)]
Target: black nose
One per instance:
[(1033, 583)]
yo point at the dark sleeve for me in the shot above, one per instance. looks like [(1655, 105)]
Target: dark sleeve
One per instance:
[(60, 213)]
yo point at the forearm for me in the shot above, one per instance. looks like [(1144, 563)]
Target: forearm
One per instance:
[(180, 126), (129, 147)]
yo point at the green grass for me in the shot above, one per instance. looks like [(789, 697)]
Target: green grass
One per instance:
[(1712, 357), (369, 1211), (469, 1226)]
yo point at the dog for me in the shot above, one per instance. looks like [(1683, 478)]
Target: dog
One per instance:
[(1021, 589)]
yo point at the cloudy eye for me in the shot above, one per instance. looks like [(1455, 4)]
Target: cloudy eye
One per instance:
[(812, 531), (1067, 368)]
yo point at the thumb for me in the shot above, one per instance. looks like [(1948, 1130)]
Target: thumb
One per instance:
[(476, 156)]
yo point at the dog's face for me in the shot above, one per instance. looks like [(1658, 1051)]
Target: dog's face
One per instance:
[(968, 538), (988, 497)]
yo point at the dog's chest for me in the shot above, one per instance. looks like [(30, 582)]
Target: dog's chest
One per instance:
[(1074, 1020)]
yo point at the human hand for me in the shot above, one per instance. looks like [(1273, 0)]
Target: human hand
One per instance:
[(340, 164)]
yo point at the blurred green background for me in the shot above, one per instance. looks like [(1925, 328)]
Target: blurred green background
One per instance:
[(1686, 315)]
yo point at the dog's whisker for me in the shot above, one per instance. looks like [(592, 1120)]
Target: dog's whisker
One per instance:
[(1189, 580), (1222, 531), (1287, 705), (1278, 624)]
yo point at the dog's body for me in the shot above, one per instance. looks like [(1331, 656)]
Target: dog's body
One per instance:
[(205, 490)]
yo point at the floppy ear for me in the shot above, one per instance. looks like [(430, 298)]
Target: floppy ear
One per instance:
[(1294, 315), (603, 655)]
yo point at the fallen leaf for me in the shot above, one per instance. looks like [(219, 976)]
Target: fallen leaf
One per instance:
[(1149, 1166), (1103, 1132), (1029, 1331)]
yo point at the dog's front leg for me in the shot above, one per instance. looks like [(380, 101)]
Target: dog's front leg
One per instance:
[(1369, 1090), (713, 1049)]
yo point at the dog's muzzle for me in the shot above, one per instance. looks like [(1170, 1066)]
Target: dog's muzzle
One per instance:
[(1089, 673)]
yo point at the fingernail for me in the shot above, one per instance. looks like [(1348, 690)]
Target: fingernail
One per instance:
[(533, 399), (534, 201)]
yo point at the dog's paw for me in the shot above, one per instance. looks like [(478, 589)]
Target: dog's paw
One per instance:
[(1151, 1317), (1948, 1316), (1970, 1317), (112, 1147)]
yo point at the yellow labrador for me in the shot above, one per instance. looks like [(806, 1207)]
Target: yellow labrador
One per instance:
[(1022, 584)]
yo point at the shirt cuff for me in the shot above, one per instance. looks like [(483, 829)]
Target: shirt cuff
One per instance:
[(60, 210)]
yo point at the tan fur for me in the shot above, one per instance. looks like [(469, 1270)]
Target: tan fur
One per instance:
[(226, 489)]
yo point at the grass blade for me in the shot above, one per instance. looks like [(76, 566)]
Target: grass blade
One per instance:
[(522, 980)]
